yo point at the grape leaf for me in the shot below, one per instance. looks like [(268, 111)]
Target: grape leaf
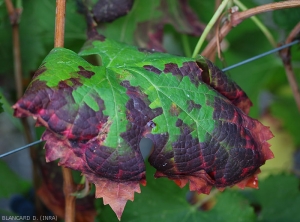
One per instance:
[(124, 28), (96, 116), (181, 16), (144, 24), (287, 115), (11, 183), (109, 10), (36, 35), (286, 19), (275, 194)]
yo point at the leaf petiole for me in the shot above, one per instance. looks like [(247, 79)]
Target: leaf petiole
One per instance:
[(209, 27)]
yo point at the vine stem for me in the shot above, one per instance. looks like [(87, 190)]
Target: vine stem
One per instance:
[(209, 27), (285, 55), (14, 16), (238, 17), (69, 186), (60, 23)]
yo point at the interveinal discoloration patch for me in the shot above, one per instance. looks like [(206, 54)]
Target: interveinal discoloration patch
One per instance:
[(152, 69), (214, 77), (41, 69), (189, 69), (192, 105), (85, 73), (69, 83)]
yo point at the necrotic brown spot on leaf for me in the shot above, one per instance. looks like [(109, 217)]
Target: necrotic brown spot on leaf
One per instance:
[(174, 110), (85, 73), (152, 69)]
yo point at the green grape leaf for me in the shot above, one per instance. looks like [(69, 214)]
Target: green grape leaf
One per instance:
[(36, 35), (11, 183), (273, 197), (96, 116), (286, 19), (288, 116)]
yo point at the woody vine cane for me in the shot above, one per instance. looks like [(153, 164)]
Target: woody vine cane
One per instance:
[(69, 186), (15, 13)]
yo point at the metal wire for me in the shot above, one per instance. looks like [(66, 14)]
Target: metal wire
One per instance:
[(260, 55), (20, 148), (224, 70)]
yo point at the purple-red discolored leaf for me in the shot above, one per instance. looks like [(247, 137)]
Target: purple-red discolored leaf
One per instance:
[(96, 116), (145, 22), (178, 13), (109, 10), (181, 16), (214, 77)]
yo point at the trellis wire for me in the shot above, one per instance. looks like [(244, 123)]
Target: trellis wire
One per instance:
[(21, 148), (224, 70), (260, 55)]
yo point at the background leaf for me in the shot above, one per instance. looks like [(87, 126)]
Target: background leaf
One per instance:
[(37, 34), (288, 116), (10, 182), (169, 203), (144, 24), (274, 195), (286, 19)]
